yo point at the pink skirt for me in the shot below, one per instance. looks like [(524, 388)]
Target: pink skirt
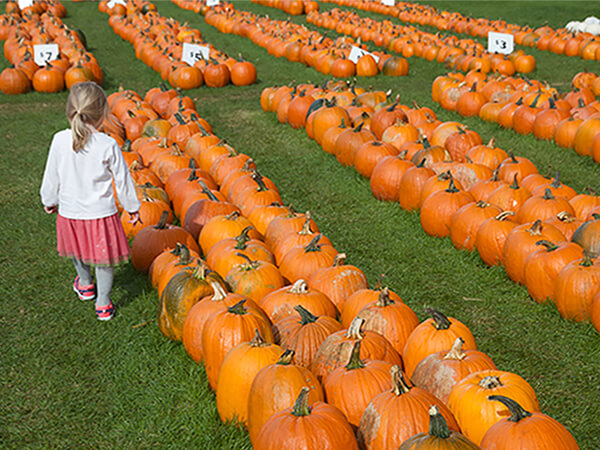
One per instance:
[(99, 242)]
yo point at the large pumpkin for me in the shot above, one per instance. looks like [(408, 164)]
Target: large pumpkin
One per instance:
[(237, 373), (276, 387), (312, 428)]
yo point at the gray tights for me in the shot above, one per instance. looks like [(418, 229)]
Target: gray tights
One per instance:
[(104, 280)]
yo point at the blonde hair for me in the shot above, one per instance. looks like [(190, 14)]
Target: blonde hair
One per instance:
[(86, 106)]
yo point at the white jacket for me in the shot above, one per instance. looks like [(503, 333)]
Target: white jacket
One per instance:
[(80, 183)]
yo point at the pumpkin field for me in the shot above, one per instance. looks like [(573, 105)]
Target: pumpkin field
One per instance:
[(384, 208)]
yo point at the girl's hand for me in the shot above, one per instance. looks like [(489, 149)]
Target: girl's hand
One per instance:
[(134, 218), (50, 209)]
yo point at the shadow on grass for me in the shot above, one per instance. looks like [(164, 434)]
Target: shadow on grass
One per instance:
[(131, 283)]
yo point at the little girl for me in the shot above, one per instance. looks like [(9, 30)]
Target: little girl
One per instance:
[(81, 166)]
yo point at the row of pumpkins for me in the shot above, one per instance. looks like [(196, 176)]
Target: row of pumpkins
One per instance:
[(263, 319), (299, 44), (291, 7), (559, 41), (571, 120), (479, 195), (158, 43), (41, 24), (462, 54)]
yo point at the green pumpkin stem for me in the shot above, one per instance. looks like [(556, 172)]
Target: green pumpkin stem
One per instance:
[(517, 412), (399, 384), (238, 308), (587, 259), (207, 191), (313, 245), (185, 257), (179, 118), (548, 194), (550, 246), (243, 238), (452, 189), (437, 424), (258, 178), (355, 361), (193, 175), (515, 183), (305, 315), (249, 264), (440, 320), (286, 358), (536, 228), (301, 406)]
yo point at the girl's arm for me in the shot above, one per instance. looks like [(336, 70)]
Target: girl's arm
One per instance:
[(50, 182), (123, 181)]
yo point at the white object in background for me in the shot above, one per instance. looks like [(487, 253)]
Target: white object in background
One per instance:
[(25, 3), (212, 2), (194, 52), (592, 20), (500, 42), (357, 52), (112, 3), (44, 53), (388, 2)]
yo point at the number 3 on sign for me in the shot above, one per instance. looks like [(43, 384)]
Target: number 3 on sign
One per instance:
[(500, 43)]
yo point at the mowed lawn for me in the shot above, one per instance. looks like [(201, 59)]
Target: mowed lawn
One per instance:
[(71, 381)]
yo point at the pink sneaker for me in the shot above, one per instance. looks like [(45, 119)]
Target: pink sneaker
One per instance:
[(84, 292), (105, 312)]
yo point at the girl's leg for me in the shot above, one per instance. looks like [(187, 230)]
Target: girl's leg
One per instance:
[(104, 282), (84, 272)]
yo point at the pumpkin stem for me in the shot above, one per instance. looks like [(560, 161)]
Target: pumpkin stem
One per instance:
[(193, 175), (233, 216), (185, 257), (548, 194), (596, 216), (313, 245), (587, 259), (517, 412), (504, 215), (339, 259), (219, 292), (492, 143), (378, 285), (549, 245), (438, 427), (247, 164), (249, 264), (482, 204), (306, 316), (440, 320), (162, 222), (257, 340), (299, 287), (301, 407), (515, 183), (565, 216), (355, 361), (354, 329), (452, 189), (384, 298), (456, 352), (286, 358), (207, 191), (399, 384), (238, 308), (257, 177), (243, 238), (490, 382), (305, 227), (536, 228)]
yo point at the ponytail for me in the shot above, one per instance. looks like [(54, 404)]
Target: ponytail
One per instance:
[(86, 107)]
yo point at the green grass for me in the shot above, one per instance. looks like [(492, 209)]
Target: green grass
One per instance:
[(70, 381)]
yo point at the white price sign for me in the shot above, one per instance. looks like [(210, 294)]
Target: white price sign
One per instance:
[(357, 52), (194, 52), (112, 3), (44, 53), (25, 4), (500, 43), (388, 2), (212, 3)]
